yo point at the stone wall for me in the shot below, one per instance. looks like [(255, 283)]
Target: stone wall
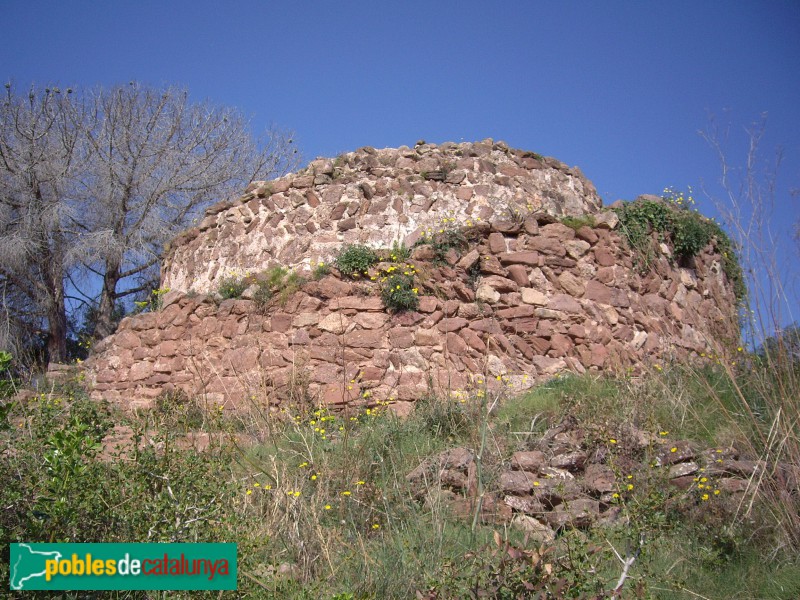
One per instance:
[(373, 197), (529, 298)]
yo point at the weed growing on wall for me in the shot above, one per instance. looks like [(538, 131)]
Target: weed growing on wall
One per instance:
[(354, 260), (321, 269), (399, 252), (276, 281), (231, 287), (153, 302), (578, 222), (448, 235), (399, 292), (262, 296), (674, 221)]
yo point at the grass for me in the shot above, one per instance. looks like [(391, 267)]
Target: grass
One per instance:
[(576, 223), (320, 505)]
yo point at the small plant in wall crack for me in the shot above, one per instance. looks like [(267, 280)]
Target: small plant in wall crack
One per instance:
[(355, 260), (578, 222), (231, 287), (399, 292), (277, 282), (321, 269), (449, 234), (153, 302), (399, 252)]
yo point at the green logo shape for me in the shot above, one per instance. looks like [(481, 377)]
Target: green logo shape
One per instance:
[(123, 566)]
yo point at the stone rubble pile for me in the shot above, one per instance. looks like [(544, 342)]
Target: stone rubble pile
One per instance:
[(568, 480)]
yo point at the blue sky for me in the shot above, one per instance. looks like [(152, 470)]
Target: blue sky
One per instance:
[(617, 88)]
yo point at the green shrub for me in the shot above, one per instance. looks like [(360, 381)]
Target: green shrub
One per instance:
[(689, 232), (54, 487), (398, 292), (291, 283), (178, 411), (638, 220), (274, 276), (355, 260), (231, 287), (262, 295)]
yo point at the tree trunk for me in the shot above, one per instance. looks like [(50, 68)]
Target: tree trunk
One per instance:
[(57, 328), (105, 325)]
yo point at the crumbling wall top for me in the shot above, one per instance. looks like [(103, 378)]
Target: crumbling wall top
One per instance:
[(374, 197)]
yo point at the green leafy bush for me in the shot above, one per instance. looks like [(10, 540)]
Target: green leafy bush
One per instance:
[(398, 292), (689, 234), (178, 411), (355, 260), (274, 276), (231, 287), (638, 220), (55, 487), (290, 284), (276, 281), (688, 231)]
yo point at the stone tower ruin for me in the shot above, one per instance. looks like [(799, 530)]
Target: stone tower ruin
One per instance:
[(532, 294)]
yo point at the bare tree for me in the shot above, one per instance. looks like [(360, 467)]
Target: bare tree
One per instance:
[(98, 182), (40, 158), (156, 162)]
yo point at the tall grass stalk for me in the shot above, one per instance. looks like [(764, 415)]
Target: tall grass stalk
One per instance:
[(770, 392)]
